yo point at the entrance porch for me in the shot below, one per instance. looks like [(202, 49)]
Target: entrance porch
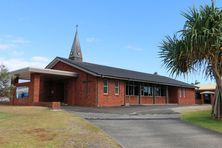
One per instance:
[(45, 87)]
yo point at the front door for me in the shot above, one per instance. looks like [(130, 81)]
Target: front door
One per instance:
[(207, 99), (55, 91)]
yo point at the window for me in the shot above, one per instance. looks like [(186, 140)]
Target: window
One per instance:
[(22, 92), (132, 88), (116, 87), (184, 92), (146, 90), (160, 90), (105, 87), (180, 92), (129, 88), (163, 91), (136, 90)]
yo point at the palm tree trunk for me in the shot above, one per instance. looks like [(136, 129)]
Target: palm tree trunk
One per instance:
[(217, 105)]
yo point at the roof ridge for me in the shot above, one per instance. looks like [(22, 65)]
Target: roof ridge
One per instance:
[(87, 66), (113, 67)]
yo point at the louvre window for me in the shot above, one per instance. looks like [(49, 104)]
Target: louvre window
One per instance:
[(160, 90), (132, 89), (116, 87), (105, 87), (146, 90)]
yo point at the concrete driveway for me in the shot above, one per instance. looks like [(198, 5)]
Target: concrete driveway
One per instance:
[(150, 126)]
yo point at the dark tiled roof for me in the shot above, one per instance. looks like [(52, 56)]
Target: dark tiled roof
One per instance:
[(106, 71)]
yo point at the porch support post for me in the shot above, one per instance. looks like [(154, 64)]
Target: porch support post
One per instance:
[(154, 94), (167, 95), (14, 82), (139, 93), (35, 90), (178, 94), (211, 99), (202, 98)]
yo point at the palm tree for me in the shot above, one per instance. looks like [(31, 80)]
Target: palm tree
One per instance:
[(197, 47)]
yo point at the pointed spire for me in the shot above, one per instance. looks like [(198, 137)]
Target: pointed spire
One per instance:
[(76, 53)]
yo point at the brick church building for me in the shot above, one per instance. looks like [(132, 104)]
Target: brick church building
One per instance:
[(74, 82)]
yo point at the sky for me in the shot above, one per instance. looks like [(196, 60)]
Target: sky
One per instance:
[(120, 33)]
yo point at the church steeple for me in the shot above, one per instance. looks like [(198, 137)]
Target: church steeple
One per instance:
[(76, 53)]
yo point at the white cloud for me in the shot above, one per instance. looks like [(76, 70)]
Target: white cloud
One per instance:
[(11, 45), (9, 42), (39, 59), (92, 40), (6, 46), (17, 63), (17, 53), (135, 48), (19, 40)]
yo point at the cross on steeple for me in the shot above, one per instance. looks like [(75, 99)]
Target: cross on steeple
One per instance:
[(76, 53)]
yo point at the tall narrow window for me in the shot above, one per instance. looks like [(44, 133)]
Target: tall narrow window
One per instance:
[(180, 92), (105, 87), (184, 92), (158, 91), (116, 87), (163, 91)]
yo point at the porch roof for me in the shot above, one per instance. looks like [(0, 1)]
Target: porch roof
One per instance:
[(25, 73), (207, 92)]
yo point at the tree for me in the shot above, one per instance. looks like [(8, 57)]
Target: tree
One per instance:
[(6, 89), (197, 47)]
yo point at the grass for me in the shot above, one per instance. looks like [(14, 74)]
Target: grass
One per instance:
[(40, 127), (203, 119), (4, 116)]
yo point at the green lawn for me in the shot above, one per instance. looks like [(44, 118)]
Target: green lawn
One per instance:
[(203, 119), (4, 116), (41, 127)]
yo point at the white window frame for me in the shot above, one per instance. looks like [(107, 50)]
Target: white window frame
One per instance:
[(116, 87), (180, 92), (106, 93), (184, 92)]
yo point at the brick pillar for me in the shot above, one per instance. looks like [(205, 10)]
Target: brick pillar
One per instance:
[(35, 80), (178, 95), (202, 98), (14, 82), (212, 98), (167, 95)]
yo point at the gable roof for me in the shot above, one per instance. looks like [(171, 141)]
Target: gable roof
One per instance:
[(118, 73), (209, 86)]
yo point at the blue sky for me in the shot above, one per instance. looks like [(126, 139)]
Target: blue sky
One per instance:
[(120, 33)]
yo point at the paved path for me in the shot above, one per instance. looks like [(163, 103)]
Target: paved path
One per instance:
[(150, 126)]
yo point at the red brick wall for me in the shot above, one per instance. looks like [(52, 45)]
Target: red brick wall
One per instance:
[(173, 94), (198, 101), (160, 100), (110, 99), (189, 98), (146, 99), (24, 101), (79, 92), (70, 91), (132, 100), (34, 91)]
